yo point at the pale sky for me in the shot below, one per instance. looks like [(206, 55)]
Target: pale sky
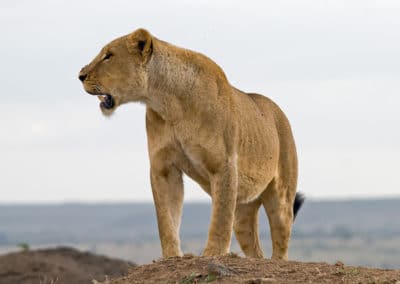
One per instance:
[(332, 66)]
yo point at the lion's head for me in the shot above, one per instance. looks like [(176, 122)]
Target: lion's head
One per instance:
[(117, 75)]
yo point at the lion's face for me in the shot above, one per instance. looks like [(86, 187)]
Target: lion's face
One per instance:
[(117, 75)]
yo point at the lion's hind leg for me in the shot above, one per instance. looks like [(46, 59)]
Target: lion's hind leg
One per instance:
[(278, 202), (246, 228)]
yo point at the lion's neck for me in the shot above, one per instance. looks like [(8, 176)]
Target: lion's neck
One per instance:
[(172, 78), (181, 81)]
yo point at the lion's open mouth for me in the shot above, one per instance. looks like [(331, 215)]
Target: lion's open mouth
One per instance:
[(107, 101)]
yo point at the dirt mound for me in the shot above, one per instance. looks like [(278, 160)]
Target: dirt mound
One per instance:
[(58, 266), (234, 269)]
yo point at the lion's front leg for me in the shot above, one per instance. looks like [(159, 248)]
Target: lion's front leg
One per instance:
[(224, 193), (167, 187)]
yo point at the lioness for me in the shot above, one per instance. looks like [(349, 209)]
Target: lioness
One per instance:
[(237, 146)]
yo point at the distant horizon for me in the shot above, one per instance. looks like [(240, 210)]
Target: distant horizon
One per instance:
[(200, 201), (355, 232)]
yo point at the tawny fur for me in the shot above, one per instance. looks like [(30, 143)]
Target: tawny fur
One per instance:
[(237, 146)]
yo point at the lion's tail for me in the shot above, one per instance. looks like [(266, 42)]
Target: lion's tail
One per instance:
[(298, 202)]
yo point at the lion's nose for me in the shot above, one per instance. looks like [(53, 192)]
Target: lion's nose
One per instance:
[(82, 76)]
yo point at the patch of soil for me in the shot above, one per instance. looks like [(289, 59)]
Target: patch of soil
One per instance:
[(234, 269), (58, 266)]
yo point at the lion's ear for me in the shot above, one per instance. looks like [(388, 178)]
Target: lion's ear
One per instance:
[(140, 42)]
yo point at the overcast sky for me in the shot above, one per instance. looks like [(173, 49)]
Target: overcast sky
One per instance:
[(333, 67)]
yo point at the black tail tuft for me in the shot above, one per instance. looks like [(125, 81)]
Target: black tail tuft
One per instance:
[(298, 202)]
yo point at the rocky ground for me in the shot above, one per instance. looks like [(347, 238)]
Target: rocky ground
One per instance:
[(66, 265), (234, 269)]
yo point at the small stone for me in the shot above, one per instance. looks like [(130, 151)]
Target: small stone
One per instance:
[(267, 280), (220, 270), (233, 255)]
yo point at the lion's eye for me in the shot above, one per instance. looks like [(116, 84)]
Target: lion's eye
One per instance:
[(107, 56)]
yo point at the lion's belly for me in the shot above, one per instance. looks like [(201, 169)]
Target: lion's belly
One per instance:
[(252, 181), (254, 173)]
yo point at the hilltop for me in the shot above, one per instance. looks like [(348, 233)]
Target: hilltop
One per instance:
[(234, 269)]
